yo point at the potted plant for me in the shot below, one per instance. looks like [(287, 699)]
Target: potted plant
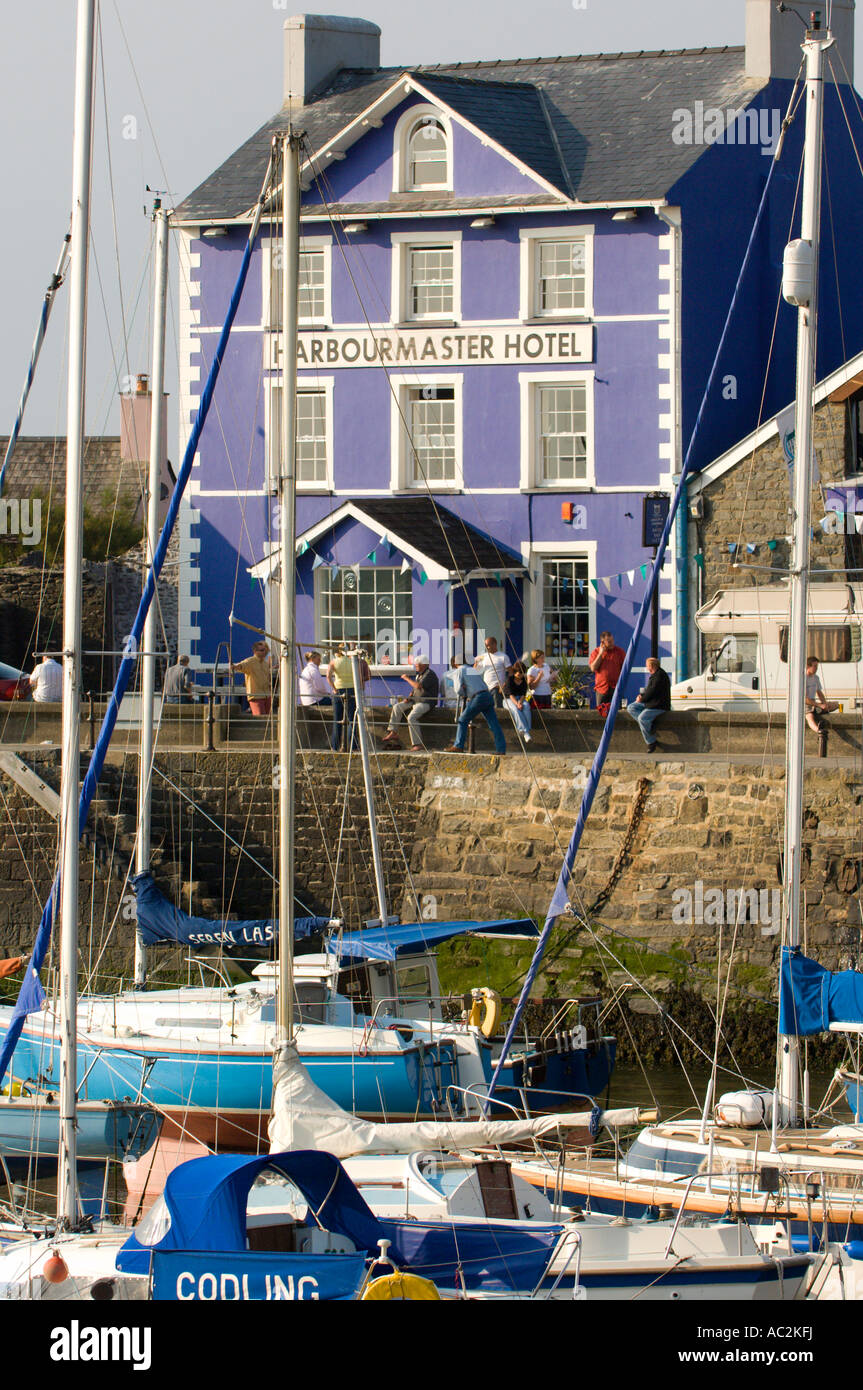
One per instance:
[(570, 690)]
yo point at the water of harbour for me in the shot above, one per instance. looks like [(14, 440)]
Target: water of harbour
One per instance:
[(677, 1094)]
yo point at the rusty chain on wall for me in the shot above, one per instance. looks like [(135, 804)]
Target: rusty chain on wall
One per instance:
[(623, 855), (623, 859)]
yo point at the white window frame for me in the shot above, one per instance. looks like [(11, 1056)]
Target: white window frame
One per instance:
[(319, 615), (401, 181), (402, 243), (533, 557), (529, 384), (400, 454), (307, 243), (530, 237), (305, 386)]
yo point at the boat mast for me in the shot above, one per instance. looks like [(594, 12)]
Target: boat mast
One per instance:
[(800, 287), (380, 881), (154, 481), (288, 587), (67, 1176)]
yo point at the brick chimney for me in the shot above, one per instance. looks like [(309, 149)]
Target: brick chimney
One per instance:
[(135, 414), (317, 46), (773, 40)]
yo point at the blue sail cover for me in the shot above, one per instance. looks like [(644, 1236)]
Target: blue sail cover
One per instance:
[(812, 997), (206, 1202), (408, 938), (160, 922)]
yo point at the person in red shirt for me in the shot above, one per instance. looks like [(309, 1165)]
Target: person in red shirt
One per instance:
[(605, 662)]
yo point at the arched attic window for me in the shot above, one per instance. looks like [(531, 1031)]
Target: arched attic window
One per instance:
[(423, 152)]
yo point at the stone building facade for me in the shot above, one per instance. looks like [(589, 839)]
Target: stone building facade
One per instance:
[(740, 506)]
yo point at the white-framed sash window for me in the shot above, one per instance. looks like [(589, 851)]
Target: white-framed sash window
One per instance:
[(426, 277), (556, 273), (560, 604), (557, 430), (427, 430), (314, 449), (422, 150), (315, 287)]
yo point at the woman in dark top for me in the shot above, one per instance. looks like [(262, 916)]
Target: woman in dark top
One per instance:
[(517, 693)]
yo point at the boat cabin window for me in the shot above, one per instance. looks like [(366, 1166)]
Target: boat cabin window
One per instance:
[(413, 983), (355, 985), (826, 643), (311, 1001), (737, 655)]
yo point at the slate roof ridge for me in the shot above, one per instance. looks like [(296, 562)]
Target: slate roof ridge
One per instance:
[(580, 58)]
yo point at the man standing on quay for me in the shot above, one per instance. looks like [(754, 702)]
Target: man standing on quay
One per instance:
[(605, 662)]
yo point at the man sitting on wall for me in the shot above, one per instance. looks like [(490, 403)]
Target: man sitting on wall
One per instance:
[(423, 697), (653, 700), (817, 704), (46, 681)]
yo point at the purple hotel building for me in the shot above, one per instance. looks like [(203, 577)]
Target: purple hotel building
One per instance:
[(513, 279)]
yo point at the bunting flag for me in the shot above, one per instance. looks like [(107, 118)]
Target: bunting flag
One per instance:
[(406, 564), (699, 560), (373, 556), (630, 574), (580, 583), (422, 576), (595, 583), (771, 545), (355, 569), (318, 561), (447, 587), (732, 546), (644, 571), (304, 547), (751, 547)]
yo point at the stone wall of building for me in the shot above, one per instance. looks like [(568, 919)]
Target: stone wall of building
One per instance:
[(31, 618), (749, 504)]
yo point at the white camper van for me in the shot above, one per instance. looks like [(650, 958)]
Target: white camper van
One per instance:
[(749, 628)]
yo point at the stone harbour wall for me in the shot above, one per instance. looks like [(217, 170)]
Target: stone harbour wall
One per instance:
[(667, 845)]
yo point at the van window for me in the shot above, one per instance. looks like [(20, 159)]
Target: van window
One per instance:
[(825, 643), (737, 655)]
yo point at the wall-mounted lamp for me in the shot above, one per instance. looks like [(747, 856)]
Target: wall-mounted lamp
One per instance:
[(355, 228), (214, 231), (626, 215), (481, 222)]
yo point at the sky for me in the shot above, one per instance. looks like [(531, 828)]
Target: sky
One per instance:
[(180, 85)]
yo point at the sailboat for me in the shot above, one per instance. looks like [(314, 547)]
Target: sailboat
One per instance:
[(755, 1152)]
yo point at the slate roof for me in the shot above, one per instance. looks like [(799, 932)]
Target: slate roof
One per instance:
[(438, 534), (598, 128)]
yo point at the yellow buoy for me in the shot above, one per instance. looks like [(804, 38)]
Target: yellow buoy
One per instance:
[(401, 1286)]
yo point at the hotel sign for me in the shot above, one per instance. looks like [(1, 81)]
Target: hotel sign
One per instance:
[(442, 347)]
